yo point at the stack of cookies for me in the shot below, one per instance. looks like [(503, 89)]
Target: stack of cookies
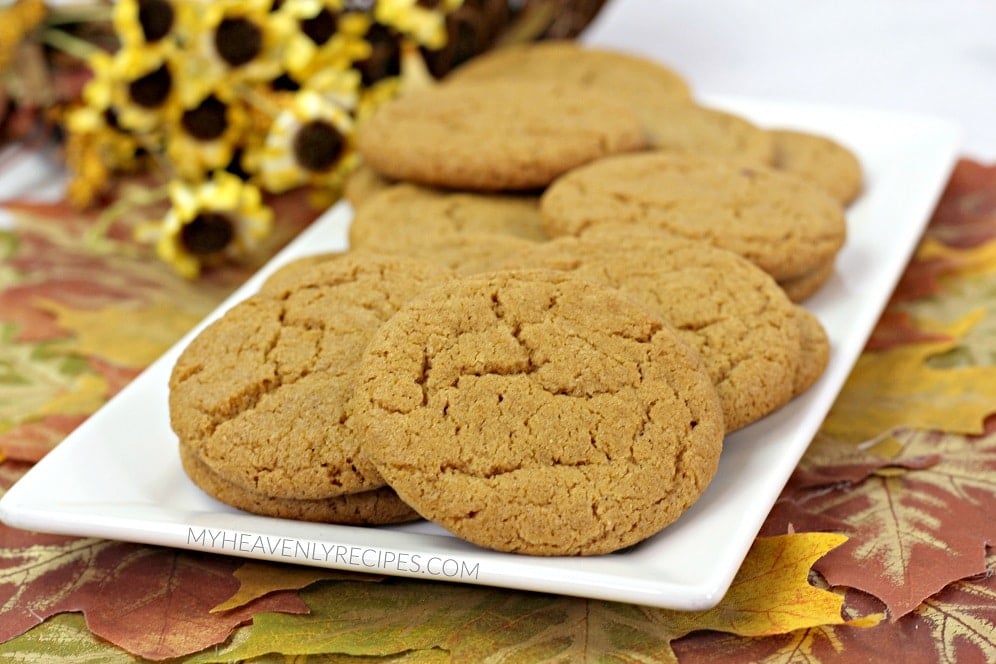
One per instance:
[(567, 281)]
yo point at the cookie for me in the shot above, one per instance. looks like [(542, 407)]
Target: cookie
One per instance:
[(659, 96), (288, 274), (807, 284), (533, 412), (375, 507), (467, 253), (598, 70), (821, 160), (363, 183), (260, 396), (406, 214), (723, 306), (815, 351), (494, 136), (692, 127), (776, 220)]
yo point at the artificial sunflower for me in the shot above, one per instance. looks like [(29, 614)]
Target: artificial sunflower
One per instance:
[(204, 136), (138, 85), (96, 149), (327, 37), (155, 24), (238, 42), (220, 219), (310, 143), (423, 21)]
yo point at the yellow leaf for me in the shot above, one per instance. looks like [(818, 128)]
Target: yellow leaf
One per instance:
[(125, 337), (771, 593), (257, 579), (969, 261), (898, 387), (88, 393)]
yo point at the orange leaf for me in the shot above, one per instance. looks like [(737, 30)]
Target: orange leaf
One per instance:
[(898, 387), (257, 579)]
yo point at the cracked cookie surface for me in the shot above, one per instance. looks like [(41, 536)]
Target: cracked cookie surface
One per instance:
[(533, 412), (726, 308), (776, 220), (260, 396), (494, 136)]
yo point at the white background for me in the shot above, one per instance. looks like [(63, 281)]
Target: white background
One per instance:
[(935, 57), (932, 57)]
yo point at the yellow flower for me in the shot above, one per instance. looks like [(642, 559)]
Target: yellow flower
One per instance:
[(159, 24), (96, 148), (238, 41), (310, 143), (138, 85), (222, 218), (204, 136), (17, 20), (119, 150), (326, 37), (421, 20)]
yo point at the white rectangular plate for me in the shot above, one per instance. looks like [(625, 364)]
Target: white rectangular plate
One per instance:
[(118, 476)]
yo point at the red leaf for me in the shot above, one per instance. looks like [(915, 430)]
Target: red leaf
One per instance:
[(916, 531), (33, 440), (896, 328), (966, 214), (153, 602)]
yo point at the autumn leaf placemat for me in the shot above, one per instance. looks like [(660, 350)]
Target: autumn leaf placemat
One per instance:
[(880, 544)]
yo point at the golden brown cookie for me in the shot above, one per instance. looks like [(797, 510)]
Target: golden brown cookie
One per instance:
[(806, 285), (599, 70), (537, 413), (723, 306), (466, 253), (815, 350), (776, 220), (494, 136), (363, 183), (374, 507), (407, 214), (821, 160), (658, 95), (288, 274), (260, 395), (692, 127)]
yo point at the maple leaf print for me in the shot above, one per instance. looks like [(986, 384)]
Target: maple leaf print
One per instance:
[(914, 531), (150, 601)]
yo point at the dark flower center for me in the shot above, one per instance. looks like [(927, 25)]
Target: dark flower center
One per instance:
[(319, 28), (428, 4), (236, 168), (285, 83), (238, 40), (207, 233), (152, 89), (318, 146), (156, 18), (208, 121), (385, 57)]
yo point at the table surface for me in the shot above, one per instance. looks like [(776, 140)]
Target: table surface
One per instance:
[(879, 544)]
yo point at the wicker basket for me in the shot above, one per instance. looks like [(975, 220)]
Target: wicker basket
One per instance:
[(480, 25)]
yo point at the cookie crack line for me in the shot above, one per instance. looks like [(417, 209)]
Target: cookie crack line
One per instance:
[(245, 401)]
